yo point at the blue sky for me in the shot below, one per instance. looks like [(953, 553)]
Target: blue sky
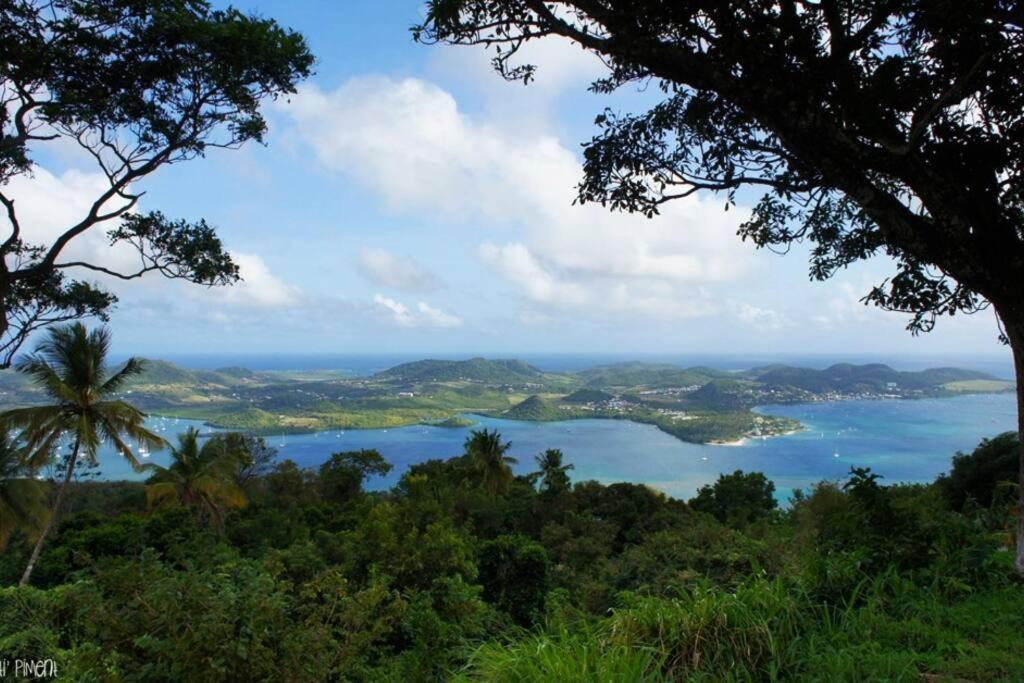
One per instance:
[(408, 200)]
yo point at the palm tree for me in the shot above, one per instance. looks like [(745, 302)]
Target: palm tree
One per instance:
[(200, 478), (552, 471), (22, 497), (486, 453), (70, 366)]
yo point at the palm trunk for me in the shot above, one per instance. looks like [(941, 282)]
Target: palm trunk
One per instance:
[(54, 514), (1015, 333)]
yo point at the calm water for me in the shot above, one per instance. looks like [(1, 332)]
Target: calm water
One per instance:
[(902, 440)]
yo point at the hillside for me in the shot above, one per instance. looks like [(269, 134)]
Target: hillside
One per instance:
[(637, 374), (873, 377), (473, 370), (719, 395), (533, 409), (588, 396), (162, 373)]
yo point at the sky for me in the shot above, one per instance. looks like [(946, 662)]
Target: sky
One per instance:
[(408, 200)]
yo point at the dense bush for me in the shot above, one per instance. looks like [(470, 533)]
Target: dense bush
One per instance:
[(980, 475), (737, 499), (444, 577)]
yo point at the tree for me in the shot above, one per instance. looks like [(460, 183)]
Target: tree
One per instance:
[(342, 477), (487, 457), (514, 574), (737, 499), (889, 127), (258, 460), (22, 497), (552, 472), (70, 366), (979, 474), (199, 478), (136, 86)]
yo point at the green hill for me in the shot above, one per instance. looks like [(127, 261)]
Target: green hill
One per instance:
[(161, 373), (637, 374), (846, 377), (587, 396), (474, 369), (164, 372), (236, 372), (719, 395), (534, 409)]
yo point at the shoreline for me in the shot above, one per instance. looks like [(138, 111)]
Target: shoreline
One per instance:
[(727, 444)]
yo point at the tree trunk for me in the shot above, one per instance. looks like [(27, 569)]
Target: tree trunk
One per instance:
[(1015, 333), (54, 515)]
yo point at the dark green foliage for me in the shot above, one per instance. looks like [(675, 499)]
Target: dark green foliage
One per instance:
[(319, 580), (514, 575), (982, 474), (342, 476), (737, 499), (554, 476), (203, 479), (486, 455)]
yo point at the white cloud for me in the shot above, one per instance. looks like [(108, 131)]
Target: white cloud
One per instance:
[(519, 265), (424, 315), (561, 67), (434, 317), (407, 141), (764, 319), (383, 268), (48, 204), (259, 287)]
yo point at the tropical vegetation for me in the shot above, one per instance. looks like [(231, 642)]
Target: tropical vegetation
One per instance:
[(200, 478), (70, 365), (461, 571)]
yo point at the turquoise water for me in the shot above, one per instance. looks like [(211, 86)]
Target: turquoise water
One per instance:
[(908, 441)]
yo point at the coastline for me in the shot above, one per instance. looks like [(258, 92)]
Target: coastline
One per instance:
[(728, 444)]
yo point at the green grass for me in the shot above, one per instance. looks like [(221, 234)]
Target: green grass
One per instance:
[(767, 631), (979, 386)]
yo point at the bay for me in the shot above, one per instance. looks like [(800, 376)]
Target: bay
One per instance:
[(903, 440)]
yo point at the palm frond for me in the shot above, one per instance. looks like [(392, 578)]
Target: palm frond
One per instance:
[(48, 378), (224, 493), (22, 505), (162, 494), (132, 368)]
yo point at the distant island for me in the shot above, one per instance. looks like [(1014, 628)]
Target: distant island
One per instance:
[(698, 404)]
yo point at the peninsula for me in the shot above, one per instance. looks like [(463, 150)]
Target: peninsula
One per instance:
[(697, 404)]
